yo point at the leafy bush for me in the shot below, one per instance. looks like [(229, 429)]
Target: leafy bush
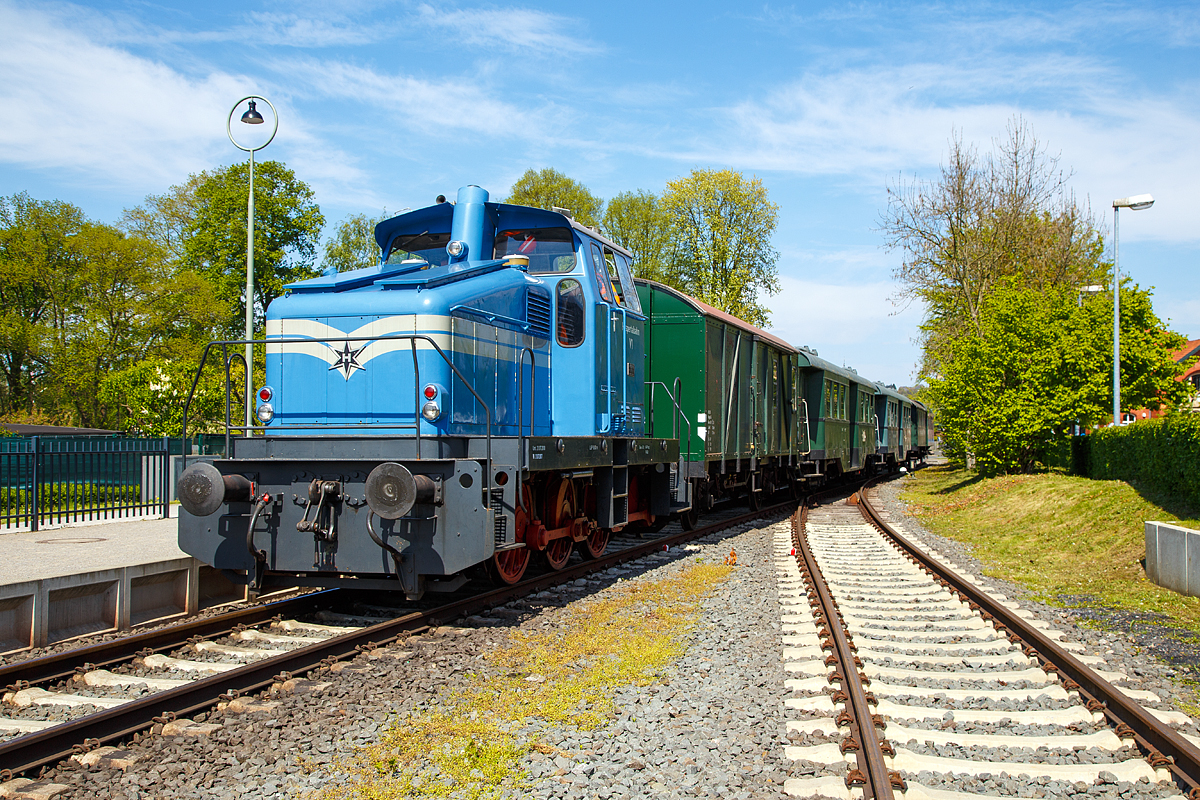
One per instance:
[(65, 496), (1159, 454)]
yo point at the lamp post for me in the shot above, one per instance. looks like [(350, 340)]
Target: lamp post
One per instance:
[(251, 117), (1138, 202)]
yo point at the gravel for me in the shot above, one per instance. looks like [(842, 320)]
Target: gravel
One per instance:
[(714, 726)]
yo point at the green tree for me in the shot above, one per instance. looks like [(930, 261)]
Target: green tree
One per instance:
[(165, 219), (548, 188), (286, 228), (150, 396), (722, 223), (124, 303), (353, 245), (637, 222), (1037, 362), (36, 260)]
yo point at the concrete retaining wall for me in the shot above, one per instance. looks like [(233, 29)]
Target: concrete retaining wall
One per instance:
[(41, 612), (1173, 557)]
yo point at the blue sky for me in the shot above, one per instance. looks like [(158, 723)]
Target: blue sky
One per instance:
[(387, 104)]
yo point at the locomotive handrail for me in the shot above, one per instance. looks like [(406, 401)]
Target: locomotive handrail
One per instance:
[(521, 417), (411, 337), (678, 413), (677, 391)]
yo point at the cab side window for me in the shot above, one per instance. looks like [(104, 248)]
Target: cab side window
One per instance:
[(601, 270), (569, 319)]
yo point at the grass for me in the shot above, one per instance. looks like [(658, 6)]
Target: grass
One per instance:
[(1057, 535), (472, 742)]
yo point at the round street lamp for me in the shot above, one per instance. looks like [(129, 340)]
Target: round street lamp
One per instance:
[(1138, 202), (251, 117)]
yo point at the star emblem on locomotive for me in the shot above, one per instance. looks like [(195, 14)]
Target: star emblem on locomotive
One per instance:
[(347, 359)]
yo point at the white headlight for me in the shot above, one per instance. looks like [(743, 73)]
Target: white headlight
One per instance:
[(266, 413), (456, 248), (431, 411)]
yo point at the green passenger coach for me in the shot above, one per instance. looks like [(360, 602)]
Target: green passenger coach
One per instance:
[(841, 416)]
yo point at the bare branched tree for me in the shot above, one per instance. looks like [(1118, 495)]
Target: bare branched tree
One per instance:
[(1005, 216)]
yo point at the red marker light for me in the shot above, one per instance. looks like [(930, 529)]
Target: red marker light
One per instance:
[(430, 392), (265, 394)]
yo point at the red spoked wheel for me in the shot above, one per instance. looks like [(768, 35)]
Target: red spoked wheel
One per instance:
[(508, 566), (595, 544), (560, 511)]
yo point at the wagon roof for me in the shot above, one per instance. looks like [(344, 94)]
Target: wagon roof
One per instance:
[(706, 310)]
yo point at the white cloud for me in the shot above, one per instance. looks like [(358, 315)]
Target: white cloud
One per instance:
[(68, 102), (852, 324), (869, 124), (535, 34)]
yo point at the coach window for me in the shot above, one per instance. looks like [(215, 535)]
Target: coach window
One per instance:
[(570, 313)]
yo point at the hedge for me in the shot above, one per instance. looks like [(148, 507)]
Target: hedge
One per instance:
[(1161, 455), (68, 496)]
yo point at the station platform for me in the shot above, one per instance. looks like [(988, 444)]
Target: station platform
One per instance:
[(91, 577)]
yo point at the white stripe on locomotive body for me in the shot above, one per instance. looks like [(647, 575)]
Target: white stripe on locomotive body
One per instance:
[(486, 355), (436, 326), (444, 330)]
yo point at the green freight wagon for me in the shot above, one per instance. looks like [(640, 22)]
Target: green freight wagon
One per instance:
[(840, 410), (731, 393)]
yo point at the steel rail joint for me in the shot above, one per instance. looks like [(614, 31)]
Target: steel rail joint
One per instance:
[(870, 755), (1149, 731)]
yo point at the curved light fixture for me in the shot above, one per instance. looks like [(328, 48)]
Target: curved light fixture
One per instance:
[(252, 117), (1139, 202)]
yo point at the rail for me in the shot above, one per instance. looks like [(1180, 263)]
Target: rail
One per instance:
[(412, 338), (872, 769), (1163, 745)]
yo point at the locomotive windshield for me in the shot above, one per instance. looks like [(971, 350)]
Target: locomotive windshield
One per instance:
[(549, 249), (427, 247)]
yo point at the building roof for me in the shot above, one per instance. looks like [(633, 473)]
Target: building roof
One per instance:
[(54, 430), (1189, 350)]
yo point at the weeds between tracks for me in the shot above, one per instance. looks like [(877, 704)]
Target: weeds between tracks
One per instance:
[(471, 742)]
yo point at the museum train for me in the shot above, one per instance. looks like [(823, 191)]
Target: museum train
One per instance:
[(501, 388)]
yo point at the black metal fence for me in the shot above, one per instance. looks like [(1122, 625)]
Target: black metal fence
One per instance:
[(70, 479)]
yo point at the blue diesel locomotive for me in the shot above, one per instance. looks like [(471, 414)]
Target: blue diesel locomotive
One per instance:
[(482, 395)]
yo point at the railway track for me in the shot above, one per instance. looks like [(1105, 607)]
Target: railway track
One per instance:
[(115, 690), (917, 683)]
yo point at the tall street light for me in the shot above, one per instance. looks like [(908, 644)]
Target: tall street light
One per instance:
[(1138, 202), (251, 117)]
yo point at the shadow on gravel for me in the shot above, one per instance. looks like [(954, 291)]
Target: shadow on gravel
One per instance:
[(1154, 633)]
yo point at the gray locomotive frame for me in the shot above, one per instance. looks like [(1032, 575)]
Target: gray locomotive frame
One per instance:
[(306, 498)]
